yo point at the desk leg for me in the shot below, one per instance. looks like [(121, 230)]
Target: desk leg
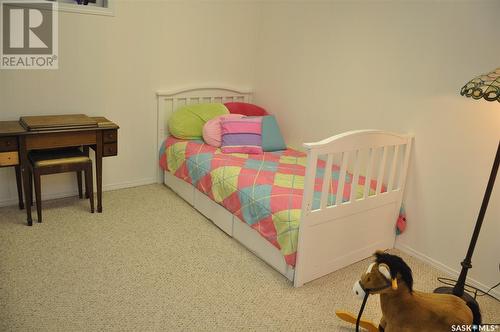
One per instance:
[(25, 171), (98, 169), (19, 182)]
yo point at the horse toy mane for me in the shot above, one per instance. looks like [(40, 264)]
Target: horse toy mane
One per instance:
[(396, 265), (403, 308)]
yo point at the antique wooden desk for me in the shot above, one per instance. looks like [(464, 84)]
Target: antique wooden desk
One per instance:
[(17, 138)]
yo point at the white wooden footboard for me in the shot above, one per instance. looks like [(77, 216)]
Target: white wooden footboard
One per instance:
[(336, 234)]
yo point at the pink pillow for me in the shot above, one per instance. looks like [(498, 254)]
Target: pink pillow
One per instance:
[(212, 131), (242, 135), (245, 109)]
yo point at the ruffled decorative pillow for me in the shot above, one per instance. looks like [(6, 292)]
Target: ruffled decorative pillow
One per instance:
[(212, 134), (242, 135)]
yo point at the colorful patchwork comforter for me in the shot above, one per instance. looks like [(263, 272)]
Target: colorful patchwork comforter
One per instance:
[(263, 190)]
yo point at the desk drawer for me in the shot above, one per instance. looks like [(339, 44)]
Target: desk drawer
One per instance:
[(110, 149), (9, 158), (61, 139), (8, 144), (109, 136)]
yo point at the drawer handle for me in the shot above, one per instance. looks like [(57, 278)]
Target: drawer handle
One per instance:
[(8, 143)]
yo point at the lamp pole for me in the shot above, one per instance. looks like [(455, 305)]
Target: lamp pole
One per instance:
[(458, 290)]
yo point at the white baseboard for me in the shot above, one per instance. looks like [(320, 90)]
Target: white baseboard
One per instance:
[(107, 187), (128, 184), (446, 269)]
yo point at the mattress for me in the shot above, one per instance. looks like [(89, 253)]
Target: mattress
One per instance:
[(263, 190)]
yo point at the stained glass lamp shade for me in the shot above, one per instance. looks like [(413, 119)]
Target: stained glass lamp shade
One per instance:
[(486, 86)]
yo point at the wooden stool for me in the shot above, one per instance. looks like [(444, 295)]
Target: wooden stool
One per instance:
[(46, 162)]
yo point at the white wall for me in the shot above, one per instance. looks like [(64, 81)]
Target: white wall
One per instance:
[(113, 66), (324, 68)]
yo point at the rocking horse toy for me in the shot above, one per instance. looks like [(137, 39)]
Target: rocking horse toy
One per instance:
[(404, 309)]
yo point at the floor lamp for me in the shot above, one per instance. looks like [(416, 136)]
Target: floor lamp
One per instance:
[(488, 87)]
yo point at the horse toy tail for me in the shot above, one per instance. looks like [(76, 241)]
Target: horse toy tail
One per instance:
[(350, 318)]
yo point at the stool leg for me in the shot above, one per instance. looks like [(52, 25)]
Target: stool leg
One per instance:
[(19, 187), (30, 181), (79, 180), (89, 185), (38, 194), (86, 150)]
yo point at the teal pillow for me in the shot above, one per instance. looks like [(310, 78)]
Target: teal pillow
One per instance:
[(271, 135)]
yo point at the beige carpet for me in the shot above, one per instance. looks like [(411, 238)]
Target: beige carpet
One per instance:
[(152, 263)]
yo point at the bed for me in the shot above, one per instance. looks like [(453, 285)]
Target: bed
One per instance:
[(305, 213)]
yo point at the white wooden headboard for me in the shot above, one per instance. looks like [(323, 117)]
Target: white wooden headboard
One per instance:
[(170, 100)]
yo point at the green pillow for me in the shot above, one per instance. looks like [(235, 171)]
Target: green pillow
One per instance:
[(187, 122), (271, 135)]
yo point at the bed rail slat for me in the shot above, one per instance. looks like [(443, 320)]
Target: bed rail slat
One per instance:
[(327, 176), (312, 163), (342, 173), (175, 102), (392, 175), (368, 178), (381, 171), (355, 176), (404, 169)]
